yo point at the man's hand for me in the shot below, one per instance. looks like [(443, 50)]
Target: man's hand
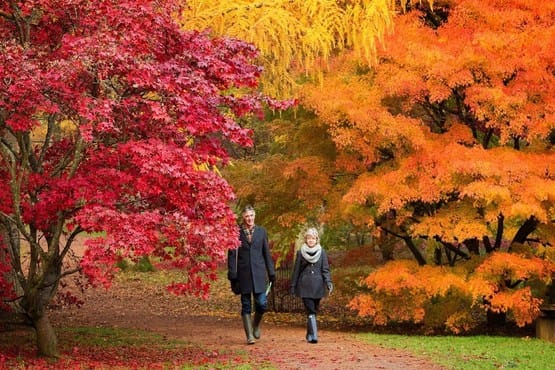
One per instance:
[(235, 286)]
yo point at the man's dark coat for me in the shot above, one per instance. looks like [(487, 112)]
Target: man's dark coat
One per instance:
[(251, 264)]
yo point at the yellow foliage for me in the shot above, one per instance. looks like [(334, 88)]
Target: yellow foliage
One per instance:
[(294, 35), (486, 193), (63, 127), (206, 167), (152, 95), (39, 132), (455, 221), (438, 281), (460, 322), (548, 252)]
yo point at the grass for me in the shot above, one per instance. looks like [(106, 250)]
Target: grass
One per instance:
[(111, 337), (473, 352), (111, 348)]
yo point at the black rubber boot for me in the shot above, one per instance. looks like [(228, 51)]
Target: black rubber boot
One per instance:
[(256, 325), (308, 330), (312, 329), (247, 324)]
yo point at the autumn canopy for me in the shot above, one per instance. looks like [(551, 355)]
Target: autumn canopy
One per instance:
[(424, 126)]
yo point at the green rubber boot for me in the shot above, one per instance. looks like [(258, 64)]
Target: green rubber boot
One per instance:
[(247, 324), (256, 325)]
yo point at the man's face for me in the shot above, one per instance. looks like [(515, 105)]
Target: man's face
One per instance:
[(248, 219)]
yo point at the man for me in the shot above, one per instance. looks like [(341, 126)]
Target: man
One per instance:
[(249, 267)]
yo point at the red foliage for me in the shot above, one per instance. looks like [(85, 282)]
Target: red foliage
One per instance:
[(127, 115), (128, 357)]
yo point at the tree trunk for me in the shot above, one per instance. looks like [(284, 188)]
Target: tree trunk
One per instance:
[(496, 320), (437, 256), (415, 251), (528, 227), (500, 229), (456, 251), (35, 304), (387, 251), (410, 244), (360, 238), (473, 246), (487, 244), (47, 343)]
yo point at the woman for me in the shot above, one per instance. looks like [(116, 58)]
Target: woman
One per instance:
[(311, 276)]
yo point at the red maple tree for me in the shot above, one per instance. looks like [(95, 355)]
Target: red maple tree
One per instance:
[(113, 121)]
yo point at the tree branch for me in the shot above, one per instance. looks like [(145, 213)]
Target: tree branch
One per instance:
[(457, 251), (499, 235), (70, 240), (6, 15), (525, 229), (410, 244)]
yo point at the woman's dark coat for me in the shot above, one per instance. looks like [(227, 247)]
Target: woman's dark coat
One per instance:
[(254, 262), (310, 280)]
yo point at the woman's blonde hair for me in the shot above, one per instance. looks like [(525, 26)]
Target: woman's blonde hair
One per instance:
[(312, 232)]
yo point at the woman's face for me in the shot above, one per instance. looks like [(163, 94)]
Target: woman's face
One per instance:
[(311, 240)]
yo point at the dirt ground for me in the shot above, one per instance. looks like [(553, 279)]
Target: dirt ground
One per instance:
[(215, 324)]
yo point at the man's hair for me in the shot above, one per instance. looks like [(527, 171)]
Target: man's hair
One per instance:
[(248, 208)]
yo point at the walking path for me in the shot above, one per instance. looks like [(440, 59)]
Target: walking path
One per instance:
[(202, 322)]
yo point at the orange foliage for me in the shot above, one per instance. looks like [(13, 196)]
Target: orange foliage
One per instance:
[(485, 183), (501, 53), (403, 291), (521, 303), (493, 282), (454, 129), (509, 267), (400, 290), (455, 117), (352, 108), (389, 309), (398, 276), (309, 178)]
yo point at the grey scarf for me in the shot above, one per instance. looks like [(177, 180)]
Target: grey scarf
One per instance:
[(312, 255)]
